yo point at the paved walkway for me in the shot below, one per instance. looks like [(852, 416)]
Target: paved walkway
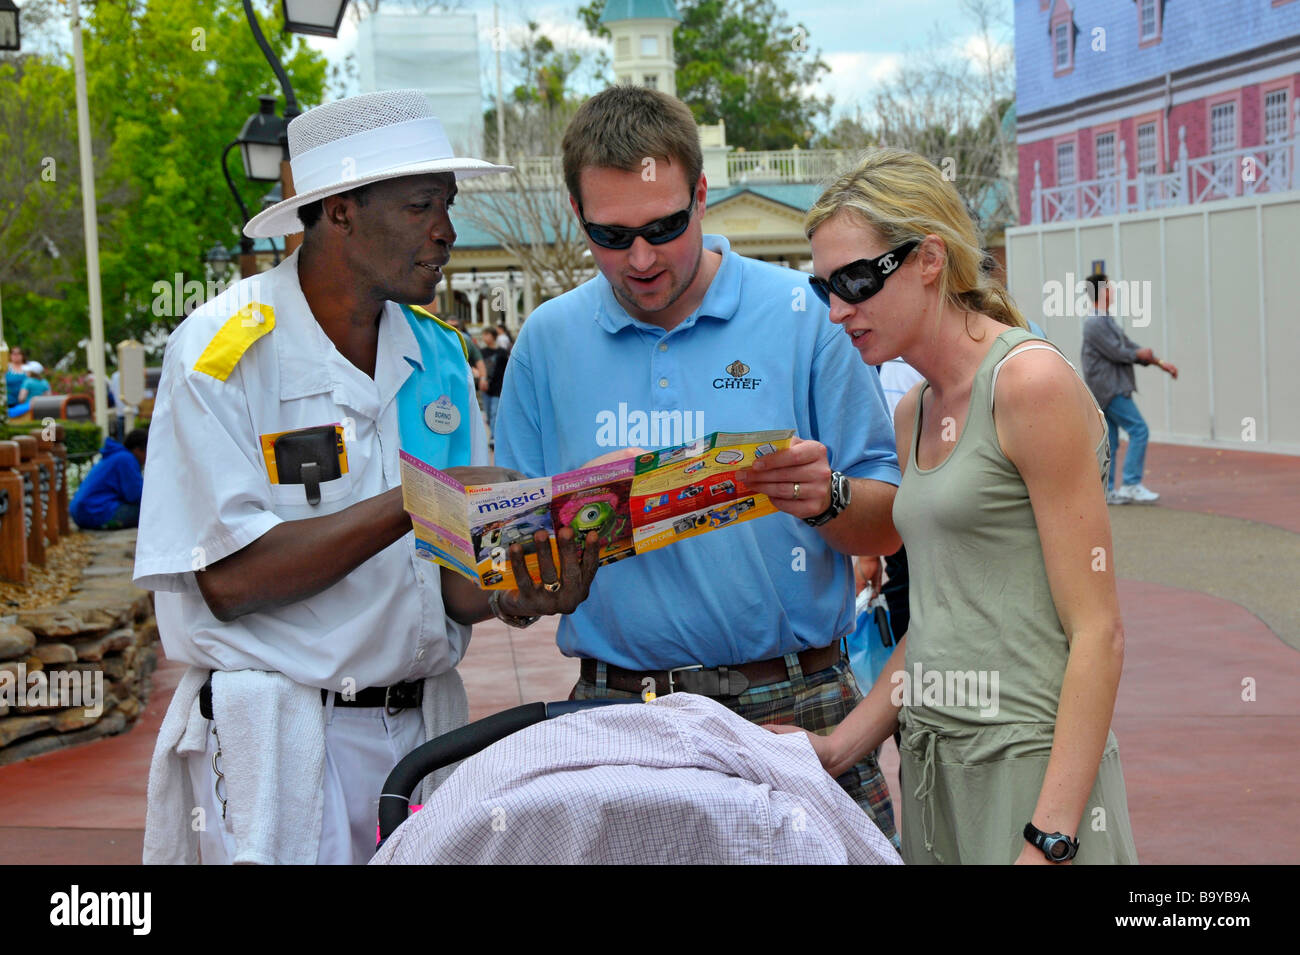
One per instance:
[(1208, 716)]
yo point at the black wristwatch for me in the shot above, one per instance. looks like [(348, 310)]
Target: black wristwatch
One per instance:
[(841, 490), (1055, 846)]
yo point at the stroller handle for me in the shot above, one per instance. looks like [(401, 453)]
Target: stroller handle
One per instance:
[(395, 800)]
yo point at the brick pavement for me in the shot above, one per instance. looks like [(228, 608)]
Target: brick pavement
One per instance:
[(1211, 777)]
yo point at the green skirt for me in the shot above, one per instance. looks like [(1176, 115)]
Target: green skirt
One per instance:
[(968, 792)]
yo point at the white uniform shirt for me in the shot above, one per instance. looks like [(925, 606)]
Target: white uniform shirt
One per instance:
[(208, 493)]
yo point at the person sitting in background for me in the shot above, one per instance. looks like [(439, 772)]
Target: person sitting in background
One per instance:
[(34, 384), (109, 497), (15, 375)]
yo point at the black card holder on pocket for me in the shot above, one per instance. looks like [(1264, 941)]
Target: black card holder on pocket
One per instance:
[(308, 457)]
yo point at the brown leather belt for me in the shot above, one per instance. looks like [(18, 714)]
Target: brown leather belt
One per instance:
[(717, 681)]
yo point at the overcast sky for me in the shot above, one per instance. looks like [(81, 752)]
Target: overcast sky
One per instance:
[(861, 40)]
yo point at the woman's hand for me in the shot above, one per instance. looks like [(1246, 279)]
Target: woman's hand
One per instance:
[(826, 752)]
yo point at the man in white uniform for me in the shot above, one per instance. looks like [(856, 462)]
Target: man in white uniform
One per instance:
[(322, 649)]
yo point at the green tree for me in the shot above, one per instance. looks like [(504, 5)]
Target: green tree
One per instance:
[(742, 62), (169, 83)]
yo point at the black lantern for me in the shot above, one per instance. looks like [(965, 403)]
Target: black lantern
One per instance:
[(314, 17), (261, 142), (10, 37), (218, 255)]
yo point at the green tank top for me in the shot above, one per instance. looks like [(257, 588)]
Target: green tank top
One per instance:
[(982, 616)]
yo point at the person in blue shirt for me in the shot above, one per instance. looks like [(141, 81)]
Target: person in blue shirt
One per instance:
[(109, 496), (678, 337), (34, 384), (15, 375)]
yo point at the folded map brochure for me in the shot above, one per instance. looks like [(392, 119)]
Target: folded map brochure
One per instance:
[(635, 505)]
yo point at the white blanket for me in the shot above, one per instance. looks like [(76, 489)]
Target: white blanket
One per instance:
[(679, 780)]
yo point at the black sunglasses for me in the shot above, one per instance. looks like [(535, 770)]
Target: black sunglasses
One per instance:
[(858, 281), (656, 233)]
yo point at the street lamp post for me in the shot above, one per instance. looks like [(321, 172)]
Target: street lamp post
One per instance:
[(94, 291), (314, 17), (247, 260), (10, 42), (261, 147), (11, 37)]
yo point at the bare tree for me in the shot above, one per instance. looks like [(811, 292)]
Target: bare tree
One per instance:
[(950, 108), (527, 213)]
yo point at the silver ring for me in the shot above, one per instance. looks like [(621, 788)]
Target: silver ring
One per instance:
[(796, 491), (552, 587)]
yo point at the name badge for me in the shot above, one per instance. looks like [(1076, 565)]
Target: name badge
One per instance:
[(442, 416)]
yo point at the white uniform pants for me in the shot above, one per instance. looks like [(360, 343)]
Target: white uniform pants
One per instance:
[(362, 745)]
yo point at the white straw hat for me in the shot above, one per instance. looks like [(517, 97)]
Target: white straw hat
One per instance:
[(359, 140)]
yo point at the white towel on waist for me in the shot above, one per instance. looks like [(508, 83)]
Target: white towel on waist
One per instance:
[(266, 749)]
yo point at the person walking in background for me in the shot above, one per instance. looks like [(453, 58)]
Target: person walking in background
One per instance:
[(1108, 359), (109, 497), (495, 358)]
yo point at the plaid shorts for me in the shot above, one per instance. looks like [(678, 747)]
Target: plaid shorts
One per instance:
[(816, 702)]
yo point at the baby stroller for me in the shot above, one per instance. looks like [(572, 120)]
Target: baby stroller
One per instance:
[(680, 779)]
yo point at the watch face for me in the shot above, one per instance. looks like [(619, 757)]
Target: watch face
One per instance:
[(1059, 848)]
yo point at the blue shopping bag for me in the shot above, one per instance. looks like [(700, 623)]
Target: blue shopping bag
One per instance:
[(871, 643)]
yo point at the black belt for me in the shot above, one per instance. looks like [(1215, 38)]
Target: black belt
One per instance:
[(716, 681), (399, 696)]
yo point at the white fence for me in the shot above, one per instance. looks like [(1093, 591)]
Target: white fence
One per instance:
[(762, 166), (1211, 287)]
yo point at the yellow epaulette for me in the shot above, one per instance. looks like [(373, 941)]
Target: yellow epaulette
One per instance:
[(459, 335), (234, 338)]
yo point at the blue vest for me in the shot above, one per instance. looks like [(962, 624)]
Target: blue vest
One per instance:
[(437, 393)]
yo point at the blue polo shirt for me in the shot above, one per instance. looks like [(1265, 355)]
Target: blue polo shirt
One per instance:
[(760, 352)]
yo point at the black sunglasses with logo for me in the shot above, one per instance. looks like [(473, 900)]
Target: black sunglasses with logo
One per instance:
[(858, 281), (656, 233)]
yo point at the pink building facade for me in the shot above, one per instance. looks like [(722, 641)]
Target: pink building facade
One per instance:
[(1129, 105)]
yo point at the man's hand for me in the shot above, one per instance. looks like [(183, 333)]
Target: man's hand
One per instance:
[(1146, 356), (796, 479), (1170, 367), (577, 568), (612, 456), (466, 603)]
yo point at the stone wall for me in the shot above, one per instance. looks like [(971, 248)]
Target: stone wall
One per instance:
[(95, 650)]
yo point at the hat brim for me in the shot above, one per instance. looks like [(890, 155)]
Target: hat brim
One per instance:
[(282, 218)]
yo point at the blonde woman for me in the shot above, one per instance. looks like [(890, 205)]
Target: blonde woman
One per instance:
[(1005, 683)]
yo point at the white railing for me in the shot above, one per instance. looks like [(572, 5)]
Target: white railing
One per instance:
[(786, 165), (762, 166), (1254, 170)]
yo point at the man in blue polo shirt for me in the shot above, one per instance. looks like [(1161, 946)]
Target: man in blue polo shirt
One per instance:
[(680, 331)]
